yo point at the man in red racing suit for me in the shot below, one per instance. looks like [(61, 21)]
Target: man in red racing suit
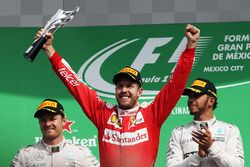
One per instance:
[(128, 136)]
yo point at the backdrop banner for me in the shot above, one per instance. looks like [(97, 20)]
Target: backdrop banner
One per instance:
[(97, 53)]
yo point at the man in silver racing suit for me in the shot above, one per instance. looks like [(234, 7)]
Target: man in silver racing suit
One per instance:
[(53, 150), (204, 142)]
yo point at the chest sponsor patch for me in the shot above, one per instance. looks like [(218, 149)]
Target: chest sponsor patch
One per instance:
[(139, 118), (38, 156), (187, 141), (188, 154), (115, 121), (219, 139), (125, 139), (220, 131)]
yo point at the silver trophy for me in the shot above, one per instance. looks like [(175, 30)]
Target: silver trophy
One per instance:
[(60, 19)]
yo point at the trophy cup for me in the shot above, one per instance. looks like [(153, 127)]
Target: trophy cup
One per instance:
[(60, 19)]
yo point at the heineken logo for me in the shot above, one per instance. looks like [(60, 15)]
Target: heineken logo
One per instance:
[(89, 142)]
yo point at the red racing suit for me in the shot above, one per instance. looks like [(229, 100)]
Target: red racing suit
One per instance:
[(127, 138)]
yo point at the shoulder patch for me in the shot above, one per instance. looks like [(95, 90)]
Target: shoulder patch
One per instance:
[(227, 124), (179, 127), (109, 105), (27, 148), (145, 104)]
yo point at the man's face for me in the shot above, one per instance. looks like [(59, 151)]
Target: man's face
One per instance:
[(127, 93), (198, 103), (51, 125)]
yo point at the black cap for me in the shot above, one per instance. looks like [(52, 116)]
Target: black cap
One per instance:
[(201, 86), (51, 106), (128, 72)]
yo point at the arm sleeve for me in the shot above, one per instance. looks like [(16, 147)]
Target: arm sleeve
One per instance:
[(232, 155), (169, 95), (18, 160), (90, 103), (175, 155), (87, 158), (90, 161)]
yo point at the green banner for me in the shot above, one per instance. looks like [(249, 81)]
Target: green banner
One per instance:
[(97, 53)]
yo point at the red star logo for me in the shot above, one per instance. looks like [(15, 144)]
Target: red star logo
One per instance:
[(67, 125)]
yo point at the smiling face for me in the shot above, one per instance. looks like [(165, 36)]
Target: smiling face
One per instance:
[(51, 126), (127, 93)]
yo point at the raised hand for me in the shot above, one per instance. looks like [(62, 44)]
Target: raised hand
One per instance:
[(48, 46), (192, 34)]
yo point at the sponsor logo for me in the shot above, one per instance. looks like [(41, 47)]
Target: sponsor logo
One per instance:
[(67, 126), (129, 70), (146, 56), (187, 141), (125, 139), (139, 118), (115, 121), (132, 119), (68, 76), (219, 139), (199, 83), (188, 154), (47, 104), (220, 131), (38, 156), (91, 142)]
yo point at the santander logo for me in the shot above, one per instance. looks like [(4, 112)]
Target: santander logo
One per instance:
[(125, 139)]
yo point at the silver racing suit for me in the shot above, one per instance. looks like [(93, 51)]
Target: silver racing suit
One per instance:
[(226, 150), (63, 155)]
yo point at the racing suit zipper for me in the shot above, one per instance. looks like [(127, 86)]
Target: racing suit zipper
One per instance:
[(121, 147), (52, 159)]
